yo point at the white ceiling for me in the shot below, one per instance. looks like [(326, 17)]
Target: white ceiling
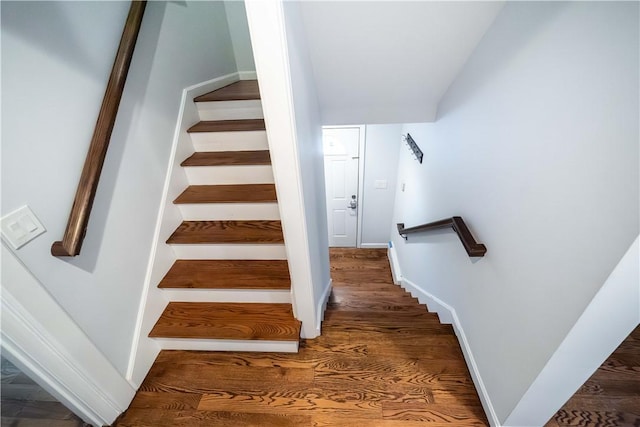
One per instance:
[(391, 61)]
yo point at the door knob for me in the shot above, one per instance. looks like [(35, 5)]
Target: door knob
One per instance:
[(353, 203)]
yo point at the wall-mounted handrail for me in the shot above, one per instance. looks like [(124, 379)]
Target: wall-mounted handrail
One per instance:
[(473, 248), (88, 184)]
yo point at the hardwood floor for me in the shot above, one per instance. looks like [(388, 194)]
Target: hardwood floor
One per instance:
[(611, 397), (382, 360), (26, 404)]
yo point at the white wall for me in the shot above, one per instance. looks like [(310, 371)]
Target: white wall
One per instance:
[(389, 61), (239, 31), (589, 343), (56, 57), (380, 164), (536, 146), (43, 341)]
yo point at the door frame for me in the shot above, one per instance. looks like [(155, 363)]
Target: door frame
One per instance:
[(361, 157)]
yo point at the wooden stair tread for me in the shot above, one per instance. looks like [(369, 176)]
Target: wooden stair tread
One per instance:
[(228, 158), (263, 231), (239, 91), (237, 193), (228, 274), (238, 321), (242, 125)]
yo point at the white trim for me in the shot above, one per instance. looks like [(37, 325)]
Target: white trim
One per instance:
[(448, 314), (229, 251), (373, 245), (587, 345), (230, 141), (228, 345), (229, 295), (227, 174), (362, 151), (394, 264), (230, 110), (322, 306), (248, 75), (140, 362), (229, 211), (42, 340)]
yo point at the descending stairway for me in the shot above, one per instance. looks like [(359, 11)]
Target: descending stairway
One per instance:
[(230, 287)]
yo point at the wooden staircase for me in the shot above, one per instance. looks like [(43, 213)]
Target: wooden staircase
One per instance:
[(230, 287)]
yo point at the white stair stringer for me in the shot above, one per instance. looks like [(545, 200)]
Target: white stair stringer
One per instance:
[(229, 251), (229, 295), (230, 141), (236, 174), (230, 110), (229, 211), (227, 345)]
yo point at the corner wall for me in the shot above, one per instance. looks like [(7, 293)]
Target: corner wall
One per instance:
[(56, 57), (536, 146), (380, 158), (290, 106)]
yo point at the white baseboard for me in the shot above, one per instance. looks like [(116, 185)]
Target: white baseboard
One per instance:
[(394, 264), (322, 307), (248, 75), (373, 245), (40, 338), (448, 314)]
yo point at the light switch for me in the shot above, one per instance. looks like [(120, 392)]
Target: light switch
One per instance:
[(21, 226), (381, 184)]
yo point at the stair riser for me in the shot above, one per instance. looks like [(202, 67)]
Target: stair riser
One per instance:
[(228, 295), (217, 175), (227, 345), (230, 141), (228, 211), (230, 110), (229, 251)]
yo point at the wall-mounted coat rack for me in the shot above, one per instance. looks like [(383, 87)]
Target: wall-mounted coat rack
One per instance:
[(417, 152)]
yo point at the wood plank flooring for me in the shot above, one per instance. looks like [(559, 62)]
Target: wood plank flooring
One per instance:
[(25, 404), (382, 361), (611, 397)]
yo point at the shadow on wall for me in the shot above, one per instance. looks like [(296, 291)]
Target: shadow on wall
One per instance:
[(61, 39), (495, 61)]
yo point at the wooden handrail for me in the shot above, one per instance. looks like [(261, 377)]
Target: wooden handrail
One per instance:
[(473, 248), (88, 184)]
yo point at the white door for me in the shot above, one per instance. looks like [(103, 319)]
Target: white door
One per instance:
[(341, 146)]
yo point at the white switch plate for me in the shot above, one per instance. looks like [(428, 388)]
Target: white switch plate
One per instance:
[(21, 226), (381, 184)]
